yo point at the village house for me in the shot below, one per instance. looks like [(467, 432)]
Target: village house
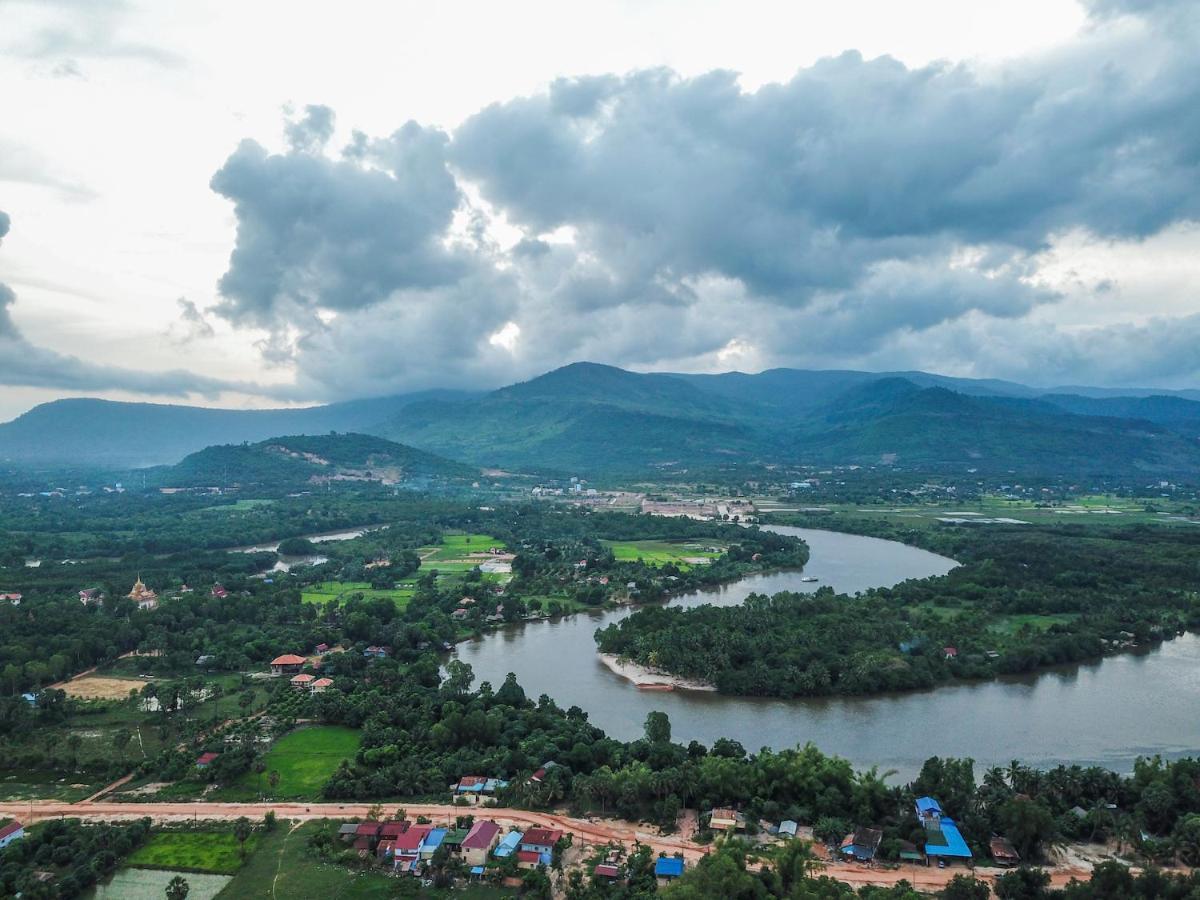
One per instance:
[(508, 845), (320, 685), (943, 841), (474, 788), (537, 847), (667, 869), (322, 648), (608, 871), (204, 760), (951, 652), (724, 819), (406, 850), (219, 592), (11, 831), (376, 652), (1003, 852), (479, 841), (288, 664), (91, 596), (863, 844), (302, 681), (12, 597)]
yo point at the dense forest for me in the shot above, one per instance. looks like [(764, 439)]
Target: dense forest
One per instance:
[(1024, 597)]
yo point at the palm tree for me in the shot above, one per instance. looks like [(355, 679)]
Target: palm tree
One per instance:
[(177, 888)]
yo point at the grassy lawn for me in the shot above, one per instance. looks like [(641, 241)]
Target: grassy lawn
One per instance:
[(326, 591), (282, 866), (304, 759), (192, 851), (661, 553)]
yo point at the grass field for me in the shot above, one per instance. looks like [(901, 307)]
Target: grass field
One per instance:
[(304, 759), (151, 884), (660, 553), (38, 784), (215, 852), (283, 866), (326, 591), (458, 552), (1013, 624)]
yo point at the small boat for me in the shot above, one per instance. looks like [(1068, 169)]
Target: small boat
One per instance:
[(810, 578), (655, 686)]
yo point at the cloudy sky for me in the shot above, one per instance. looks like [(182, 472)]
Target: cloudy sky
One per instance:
[(278, 202)]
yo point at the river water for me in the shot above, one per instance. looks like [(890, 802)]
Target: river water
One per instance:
[(1106, 713)]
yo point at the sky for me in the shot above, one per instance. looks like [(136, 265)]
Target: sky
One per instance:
[(278, 203)]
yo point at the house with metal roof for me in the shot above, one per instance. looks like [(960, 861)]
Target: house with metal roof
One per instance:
[(945, 842), (863, 844), (787, 828), (668, 868), (508, 845)]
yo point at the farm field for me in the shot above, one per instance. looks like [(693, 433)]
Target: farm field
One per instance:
[(215, 852), (36, 784), (458, 552), (151, 884), (304, 759), (661, 553), (102, 687), (993, 510), (326, 591)]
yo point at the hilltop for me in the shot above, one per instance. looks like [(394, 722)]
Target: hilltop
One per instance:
[(299, 461)]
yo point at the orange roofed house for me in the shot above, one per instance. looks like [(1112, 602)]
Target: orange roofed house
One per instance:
[(288, 664)]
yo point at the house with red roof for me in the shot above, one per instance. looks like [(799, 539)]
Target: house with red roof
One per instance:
[(302, 682), (320, 685), (288, 664), (528, 859), (204, 760), (951, 652), (219, 592), (479, 842), (12, 597), (12, 831)]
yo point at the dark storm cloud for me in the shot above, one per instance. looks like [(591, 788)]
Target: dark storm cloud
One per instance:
[(317, 233), (859, 209), (28, 365)]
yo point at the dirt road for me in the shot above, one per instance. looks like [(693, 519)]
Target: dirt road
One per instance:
[(586, 832)]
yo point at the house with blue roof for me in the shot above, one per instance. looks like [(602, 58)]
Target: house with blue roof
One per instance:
[(946, 843), (943, 841), (508, 845), (668, 868)]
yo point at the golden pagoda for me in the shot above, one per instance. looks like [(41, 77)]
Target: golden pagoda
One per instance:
[(142, 595)]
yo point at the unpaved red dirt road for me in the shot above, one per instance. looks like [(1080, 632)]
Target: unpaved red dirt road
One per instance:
[(586, 832)]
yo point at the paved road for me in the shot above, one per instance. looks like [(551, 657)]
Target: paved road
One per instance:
[(585, 831)]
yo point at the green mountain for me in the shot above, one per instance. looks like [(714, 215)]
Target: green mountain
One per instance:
[(588, 418), (895, 421), (307, 461)]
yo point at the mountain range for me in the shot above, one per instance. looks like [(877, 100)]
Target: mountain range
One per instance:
[(592, 418)]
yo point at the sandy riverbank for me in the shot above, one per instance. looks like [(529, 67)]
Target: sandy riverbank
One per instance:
[(646, 677)]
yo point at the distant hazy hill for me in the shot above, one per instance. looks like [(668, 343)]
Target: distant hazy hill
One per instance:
[(593, 418), (116, 434), (307, 460)]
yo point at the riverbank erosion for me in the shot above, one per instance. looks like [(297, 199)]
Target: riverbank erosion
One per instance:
[(650, 679)]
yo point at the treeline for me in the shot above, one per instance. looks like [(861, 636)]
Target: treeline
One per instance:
[(75, 856), (1023, 598)]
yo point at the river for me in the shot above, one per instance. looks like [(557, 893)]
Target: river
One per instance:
[(1106, 713)]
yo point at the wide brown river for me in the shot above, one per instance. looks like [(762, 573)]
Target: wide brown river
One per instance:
[(1107, 713)]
